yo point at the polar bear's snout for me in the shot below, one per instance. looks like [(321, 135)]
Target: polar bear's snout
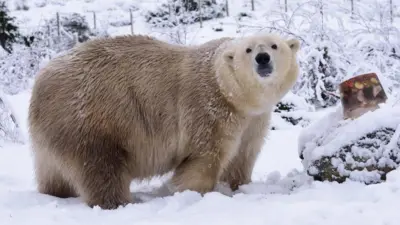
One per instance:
[(264, 67)]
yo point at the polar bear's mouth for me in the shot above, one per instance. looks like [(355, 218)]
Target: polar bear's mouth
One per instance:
[(264, 71)]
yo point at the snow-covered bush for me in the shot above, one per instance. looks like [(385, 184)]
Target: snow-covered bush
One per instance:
[(335, 46), (74, 29), (242, 15), (40, 3), (364, 149), (320, 76), (20, 61), (16, 73), (76, 24), (292, 110), (9, 130), (17, 69), (21, 5), (184, 12)]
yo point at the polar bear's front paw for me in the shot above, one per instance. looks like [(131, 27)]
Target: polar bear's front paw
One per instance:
[(223, 188)]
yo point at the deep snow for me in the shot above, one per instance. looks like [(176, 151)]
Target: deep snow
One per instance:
[(280, 194)]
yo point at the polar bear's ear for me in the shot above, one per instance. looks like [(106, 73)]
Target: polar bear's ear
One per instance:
[(228, 56), (294, 44)]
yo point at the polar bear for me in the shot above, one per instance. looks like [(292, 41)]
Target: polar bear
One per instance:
[(131, 107)]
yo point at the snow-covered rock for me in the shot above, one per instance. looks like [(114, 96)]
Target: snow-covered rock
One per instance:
[(364, 149)]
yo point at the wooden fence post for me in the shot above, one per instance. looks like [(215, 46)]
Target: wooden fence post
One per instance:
[(391, 10), (227, 7), (49, 34), (131, 18), (94, 20), (200, 15), (58, 24)]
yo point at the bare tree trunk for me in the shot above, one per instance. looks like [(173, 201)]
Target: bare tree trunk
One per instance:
[(200, 14)]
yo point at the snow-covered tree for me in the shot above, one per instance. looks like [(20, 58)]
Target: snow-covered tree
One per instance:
[(21, 5), (320, 77), (8, 30)]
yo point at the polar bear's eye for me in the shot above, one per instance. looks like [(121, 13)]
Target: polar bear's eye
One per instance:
[(274, 46), (248, 50)]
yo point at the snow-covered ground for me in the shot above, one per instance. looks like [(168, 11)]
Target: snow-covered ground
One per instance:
[(281, 193)]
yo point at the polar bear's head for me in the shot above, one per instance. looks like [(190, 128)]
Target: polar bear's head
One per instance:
[(255, 72)]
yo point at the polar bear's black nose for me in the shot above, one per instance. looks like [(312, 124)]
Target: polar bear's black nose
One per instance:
[(262, 58)]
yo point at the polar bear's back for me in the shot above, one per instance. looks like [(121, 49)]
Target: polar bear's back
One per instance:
[(124, 89), (108, 87)]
